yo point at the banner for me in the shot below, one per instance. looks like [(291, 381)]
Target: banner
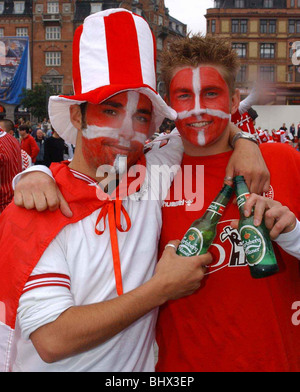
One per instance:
[(14, 68)]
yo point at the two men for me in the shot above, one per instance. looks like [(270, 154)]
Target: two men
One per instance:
[(78, 321)]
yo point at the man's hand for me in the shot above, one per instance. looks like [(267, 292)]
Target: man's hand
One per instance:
[(278, 218), (247, 161), (180, 276), (38, 191)]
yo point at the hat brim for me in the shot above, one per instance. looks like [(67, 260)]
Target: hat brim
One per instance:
[(59, 108)]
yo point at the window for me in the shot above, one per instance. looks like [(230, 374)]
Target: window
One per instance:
[(267, 26), (53, 7), (267, 73), (53, 33), (294, 26), (293, 3), (159, 44), (56, 84), (242, 74), (1, 32), (268, 4), (96, 7), (19, 7), (1, 7), (244, 26), (241, 49), (239, 3), (22, 32), (213, 26), (160, 20), (267, 51), (53, 59), (239, 26)]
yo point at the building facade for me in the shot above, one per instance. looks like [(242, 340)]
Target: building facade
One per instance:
[(50, 26), (266, 35)]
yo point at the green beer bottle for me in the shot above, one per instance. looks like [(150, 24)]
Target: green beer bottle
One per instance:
[(202, 232), (256, 240)]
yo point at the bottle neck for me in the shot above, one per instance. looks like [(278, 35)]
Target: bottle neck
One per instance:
[(217, 207), (242, 193)]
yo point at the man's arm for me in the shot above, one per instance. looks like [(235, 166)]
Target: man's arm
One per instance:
[(248, 161), (81, 328)]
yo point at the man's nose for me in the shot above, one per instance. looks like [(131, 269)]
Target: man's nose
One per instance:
[(126, 130)]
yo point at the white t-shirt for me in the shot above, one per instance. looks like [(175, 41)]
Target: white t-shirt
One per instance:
[(77, 269)]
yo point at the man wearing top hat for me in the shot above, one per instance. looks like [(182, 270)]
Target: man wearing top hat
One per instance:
[(83, 296)]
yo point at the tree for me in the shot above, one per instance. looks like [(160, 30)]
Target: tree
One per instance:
[(36, 99)]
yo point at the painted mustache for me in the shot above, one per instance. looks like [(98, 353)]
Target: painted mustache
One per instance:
[(199, 112)]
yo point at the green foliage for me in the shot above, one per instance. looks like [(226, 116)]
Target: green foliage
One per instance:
[(36, 99)]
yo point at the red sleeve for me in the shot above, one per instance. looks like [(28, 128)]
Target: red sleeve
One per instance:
[(34, 149)]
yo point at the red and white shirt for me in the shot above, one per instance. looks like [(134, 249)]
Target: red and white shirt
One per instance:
[(10, 165)]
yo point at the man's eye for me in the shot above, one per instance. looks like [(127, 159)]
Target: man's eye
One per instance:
[(211, 94), (110, 112), (184, 96), (142, 119)]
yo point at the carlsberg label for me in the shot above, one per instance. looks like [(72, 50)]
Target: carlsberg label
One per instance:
[(191, 244), (254, 244)]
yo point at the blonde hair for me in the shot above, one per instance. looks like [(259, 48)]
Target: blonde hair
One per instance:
[(196, 50)]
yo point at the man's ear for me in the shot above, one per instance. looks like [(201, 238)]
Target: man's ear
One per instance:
[(235, 101), (76, 116)]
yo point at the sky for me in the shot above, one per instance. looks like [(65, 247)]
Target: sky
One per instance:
[(190, 12)]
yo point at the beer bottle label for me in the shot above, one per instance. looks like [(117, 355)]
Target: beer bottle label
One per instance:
[(254, 244), (241, 199), (192, 243), (217, 208)]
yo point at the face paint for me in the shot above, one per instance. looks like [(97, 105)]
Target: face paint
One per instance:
[(116, 128), (202, 100)]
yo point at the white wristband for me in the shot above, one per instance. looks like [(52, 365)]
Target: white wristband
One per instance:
[(37, 168), (290, 242)]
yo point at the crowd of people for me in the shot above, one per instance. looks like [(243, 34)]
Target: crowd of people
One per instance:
[(33, 144), (96, 288)]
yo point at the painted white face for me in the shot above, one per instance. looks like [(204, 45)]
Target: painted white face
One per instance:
[(118, 127), (201, 99)]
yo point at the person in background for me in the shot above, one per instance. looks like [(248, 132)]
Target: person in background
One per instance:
[(28, 143), (54, 149), (40, 141), (292, 131), (10, 166), (8, 126)]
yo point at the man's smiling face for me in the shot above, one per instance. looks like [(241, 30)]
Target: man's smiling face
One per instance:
[(116, 127), (201, 99)]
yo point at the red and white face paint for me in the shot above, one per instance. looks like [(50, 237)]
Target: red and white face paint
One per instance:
[(201, 98), (118, 127)]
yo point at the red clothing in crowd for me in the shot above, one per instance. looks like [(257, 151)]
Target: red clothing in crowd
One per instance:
[(233, 322), (10, 165), (29, 145)]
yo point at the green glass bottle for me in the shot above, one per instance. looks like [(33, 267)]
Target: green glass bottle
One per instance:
[(202, 232), (256, 239)]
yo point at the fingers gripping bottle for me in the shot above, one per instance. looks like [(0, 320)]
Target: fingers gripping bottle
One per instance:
[(202, 232), (256, 240)]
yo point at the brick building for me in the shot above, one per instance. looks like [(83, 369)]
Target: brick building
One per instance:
[(50, 25), (265, 34)]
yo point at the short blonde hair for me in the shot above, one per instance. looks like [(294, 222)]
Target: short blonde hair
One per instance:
[(196, 50)]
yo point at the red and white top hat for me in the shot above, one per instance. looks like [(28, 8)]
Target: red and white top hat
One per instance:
[(113, 51)]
